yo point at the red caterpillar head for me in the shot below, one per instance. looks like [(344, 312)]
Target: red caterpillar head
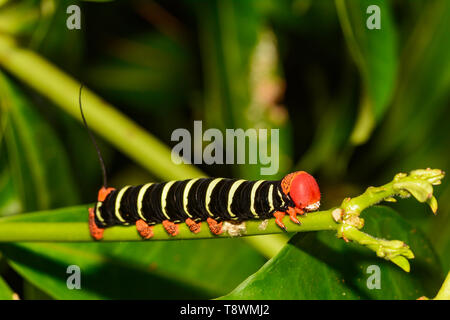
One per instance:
[(303, 189)]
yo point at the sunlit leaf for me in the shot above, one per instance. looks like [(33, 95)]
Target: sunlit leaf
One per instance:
[(321, 266)]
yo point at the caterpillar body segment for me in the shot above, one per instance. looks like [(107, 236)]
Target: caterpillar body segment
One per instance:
[(213, 200)]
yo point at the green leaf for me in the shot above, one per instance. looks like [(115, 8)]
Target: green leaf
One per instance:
[(438, 230), (375, 54), (320, 266), (421, 99), (37, 160), (243, 77), (330, 139), (154, 270), (30, 292), (421, 190), (9, 200), (5, 291), (402, 262), (154, 66)]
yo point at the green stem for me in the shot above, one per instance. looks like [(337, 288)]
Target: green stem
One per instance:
[(419, 183), (394, 250), (32, 227), (70, 224), (102, 117), (115, 127)]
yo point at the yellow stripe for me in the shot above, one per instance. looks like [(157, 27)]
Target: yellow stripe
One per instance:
[(233, 189), (164, 196), (141, 198), (186, 194), (281, 198), (209, 191), (271, 199), (97, 212), (118, 200), (252, 197)]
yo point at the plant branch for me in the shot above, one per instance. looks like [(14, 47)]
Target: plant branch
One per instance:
[(71, 224), (102, 117), (394, 250), (33, 227), (419, 183)]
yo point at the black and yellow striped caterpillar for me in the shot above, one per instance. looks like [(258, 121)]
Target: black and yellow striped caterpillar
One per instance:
[(204, 199), (192, 201)]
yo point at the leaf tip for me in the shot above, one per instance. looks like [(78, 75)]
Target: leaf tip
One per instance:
[(402, 262)]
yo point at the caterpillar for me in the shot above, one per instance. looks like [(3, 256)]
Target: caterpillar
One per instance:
[(213, 200), (193, 201)]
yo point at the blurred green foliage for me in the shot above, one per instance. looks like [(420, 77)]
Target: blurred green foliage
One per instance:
[(354, 106)]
